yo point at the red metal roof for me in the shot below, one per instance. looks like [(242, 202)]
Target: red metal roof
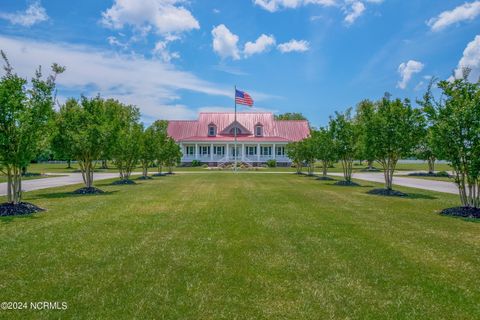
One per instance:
[(273, 130)]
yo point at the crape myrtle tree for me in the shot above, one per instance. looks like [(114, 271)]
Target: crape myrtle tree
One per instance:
[(456, 134), (308, 154), (148, 150), (290, 116), (395, 128), (25, 114), (125, 148), (345, 132), (293, 151), (84, 124), (172, 154), (324, 148), (160, 129), (364, 114), (425, 149)]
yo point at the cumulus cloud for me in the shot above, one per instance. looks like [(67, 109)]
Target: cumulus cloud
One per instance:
[(34, 14), (274, 5), (294, 46), (407, 70), (262, 44), (354, 10), (470, 59), (464, 12), (162, 16), (225, 43), (150, 84)]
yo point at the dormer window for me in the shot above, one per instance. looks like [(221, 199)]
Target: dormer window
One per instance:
[(259, 130), (212, 130), (232, 131)]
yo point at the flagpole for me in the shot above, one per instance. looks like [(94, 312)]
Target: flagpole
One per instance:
[(235, 128)]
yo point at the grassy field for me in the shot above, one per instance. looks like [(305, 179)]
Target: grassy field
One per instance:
[(4, 178), (248, 246)]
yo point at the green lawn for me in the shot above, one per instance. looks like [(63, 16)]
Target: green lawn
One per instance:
[(4, 178), (247, 246)]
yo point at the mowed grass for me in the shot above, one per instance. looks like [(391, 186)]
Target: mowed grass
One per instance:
[(245, 246)]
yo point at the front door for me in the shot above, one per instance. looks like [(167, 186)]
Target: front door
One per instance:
[(236, 152)]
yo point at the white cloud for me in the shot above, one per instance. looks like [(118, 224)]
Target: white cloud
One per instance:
[(407, 70), (225, 43), (466, 11), (164, 16), (275, 5), (470, 59), (161, 50), (34, 14), (150, 84), (355, 10), (262, 44), (294, 46)]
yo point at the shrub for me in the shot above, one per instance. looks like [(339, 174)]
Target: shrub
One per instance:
[(196, 163), (271, 163), (443, 174)]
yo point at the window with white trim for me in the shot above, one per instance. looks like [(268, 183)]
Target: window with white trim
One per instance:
[(190, 150), (204, 150), (251, 150), (266, 151), (219, 150), (280, 151)]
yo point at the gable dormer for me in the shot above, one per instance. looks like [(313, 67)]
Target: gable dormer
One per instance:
[(259, 130), (212, 130), (235, 126)]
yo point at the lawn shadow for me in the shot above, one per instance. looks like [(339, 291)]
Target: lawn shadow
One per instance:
[(10, 219), (61, 195), (411, 195)]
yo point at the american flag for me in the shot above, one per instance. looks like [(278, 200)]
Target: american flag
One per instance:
[(243, 98)]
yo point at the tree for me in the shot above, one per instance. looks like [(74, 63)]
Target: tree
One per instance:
[(425, 150), (290, 116), (395, 128), (84, 124), (345, 134), (172, 154), (24, 118), (456, 135), (148, 150), (364, 114), (324, 148), (293, 151), (125, 148), (160, 131), (307, 153)]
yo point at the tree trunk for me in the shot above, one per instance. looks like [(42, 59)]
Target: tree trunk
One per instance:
[(160, 168), (145, 169), (431, 165), (9, 184), (170, 169), (104, 164), (69, 164), (370, 164), (347, 165), (325, 168)]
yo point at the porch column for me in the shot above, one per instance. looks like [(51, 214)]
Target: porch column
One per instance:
[(243, 151), (227, 151), (211, 151), (196, 151), (258, 152), (274, 152)]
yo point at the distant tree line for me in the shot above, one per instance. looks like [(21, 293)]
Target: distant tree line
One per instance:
[(86, 130), (388, 130)]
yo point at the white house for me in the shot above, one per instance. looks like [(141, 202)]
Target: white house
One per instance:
[(260, 137)]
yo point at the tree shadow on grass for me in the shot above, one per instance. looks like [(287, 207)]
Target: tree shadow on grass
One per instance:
[(411, 195), (61, 195), (10, 219)]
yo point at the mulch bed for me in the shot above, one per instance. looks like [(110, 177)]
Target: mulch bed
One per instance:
[(464, 212), (91, 190), (144, 178), (22, 208), (122, 182), (387, 193), (346, 183), (325, 178), (159, 174)]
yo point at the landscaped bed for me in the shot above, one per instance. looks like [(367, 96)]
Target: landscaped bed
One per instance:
[(250, 246)]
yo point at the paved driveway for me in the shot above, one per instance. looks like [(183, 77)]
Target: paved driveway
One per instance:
[(433, 185), (67, 179)]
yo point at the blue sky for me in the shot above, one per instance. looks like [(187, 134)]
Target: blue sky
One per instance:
[(174, 58)]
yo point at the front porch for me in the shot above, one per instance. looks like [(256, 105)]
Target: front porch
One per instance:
[(219, 153)]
